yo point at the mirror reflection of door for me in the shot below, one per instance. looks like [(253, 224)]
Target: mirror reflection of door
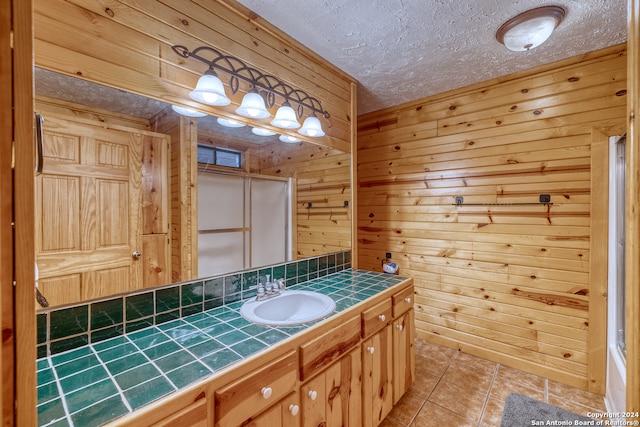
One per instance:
[(89, 212), (88, 197), (242, 222)]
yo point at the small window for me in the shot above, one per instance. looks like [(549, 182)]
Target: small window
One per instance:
[(219, 156)]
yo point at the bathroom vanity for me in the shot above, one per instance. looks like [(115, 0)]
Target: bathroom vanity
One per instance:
[(348, 369)]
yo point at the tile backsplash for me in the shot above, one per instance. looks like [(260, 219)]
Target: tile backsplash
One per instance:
[(61, 329)]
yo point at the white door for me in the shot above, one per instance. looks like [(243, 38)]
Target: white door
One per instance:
[(615, 395)]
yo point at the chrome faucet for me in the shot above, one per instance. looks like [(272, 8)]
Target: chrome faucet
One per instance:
[(269, 289)]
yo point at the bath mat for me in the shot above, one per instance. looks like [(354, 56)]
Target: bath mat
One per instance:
[(520, 411)]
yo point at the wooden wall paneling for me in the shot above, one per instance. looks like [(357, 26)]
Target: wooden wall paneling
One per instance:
[(23, 335), (155, 185), (598, 265), (632, 276), (514, 283)]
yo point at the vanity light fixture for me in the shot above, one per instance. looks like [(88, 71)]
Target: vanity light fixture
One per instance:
[(262, 93), (530, 29), (209, 90), (286, 117), (311, 127), (186, 111), (289, 139), (253, 106), (262, 132), (229, 123)]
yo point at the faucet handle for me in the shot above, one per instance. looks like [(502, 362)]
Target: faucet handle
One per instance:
[(281, 284), (260, 290)]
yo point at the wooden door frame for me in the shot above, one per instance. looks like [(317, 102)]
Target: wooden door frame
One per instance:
[(632, 246), (18, 368)]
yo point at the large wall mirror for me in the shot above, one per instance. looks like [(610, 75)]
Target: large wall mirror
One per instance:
[(134, 195)]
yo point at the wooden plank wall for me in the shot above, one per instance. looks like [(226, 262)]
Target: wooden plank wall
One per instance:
[(632, 276), (128, 45), (517, 284), (322, 178)]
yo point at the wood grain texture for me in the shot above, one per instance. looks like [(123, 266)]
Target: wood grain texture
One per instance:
[(325, 349), (23, 335), (510, 282), (632, 276), (7, 348)]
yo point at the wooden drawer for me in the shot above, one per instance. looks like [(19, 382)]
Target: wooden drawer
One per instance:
[(376, 318), (402, 301), (247, 397), (322, 351), (194, 415)]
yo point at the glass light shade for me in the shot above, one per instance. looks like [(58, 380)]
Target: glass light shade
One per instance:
[(209, 90), (530, 29), (186, 111), (262, 132), (229, 123), (253, 106), (286, 118), (312, 127), (529, 34), (289, 139)]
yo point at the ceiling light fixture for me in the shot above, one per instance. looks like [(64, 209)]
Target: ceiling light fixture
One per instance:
[(210, 89), (530, 29)]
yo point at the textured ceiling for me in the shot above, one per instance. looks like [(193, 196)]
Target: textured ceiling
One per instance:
[(402, 50)]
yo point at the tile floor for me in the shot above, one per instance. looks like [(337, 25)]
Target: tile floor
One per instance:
[(459, 390)]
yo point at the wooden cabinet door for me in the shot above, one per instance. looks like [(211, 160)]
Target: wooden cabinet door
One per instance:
[(404, 360), (313, 398), (88, 212), (377, 371), (343, 385)]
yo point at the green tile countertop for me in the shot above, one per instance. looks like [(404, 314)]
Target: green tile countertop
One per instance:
[(91, 385)]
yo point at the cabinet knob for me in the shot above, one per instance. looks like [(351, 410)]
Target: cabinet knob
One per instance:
[(136, 255), (294, 409), (266, 392), (382, 317), (400, 327), (313, 395), (408, 300), (371, 349)]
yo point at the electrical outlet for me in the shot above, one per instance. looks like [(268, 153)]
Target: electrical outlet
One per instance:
[(388, 255)]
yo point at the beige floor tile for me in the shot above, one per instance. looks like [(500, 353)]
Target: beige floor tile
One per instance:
[(434, 363), (509, 380), (432, 415), (471, 372), (501, 388), (560, 394), (423, 384), (459, 400), (407, 408), (389, 422), (492, 414)]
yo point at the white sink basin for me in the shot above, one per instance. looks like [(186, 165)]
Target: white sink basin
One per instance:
[(289, 308)]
